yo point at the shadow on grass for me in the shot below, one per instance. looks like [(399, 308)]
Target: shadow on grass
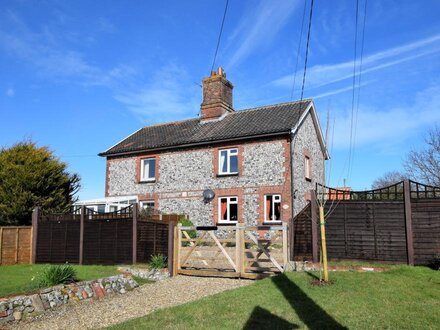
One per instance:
[(313, 316), (263, 319)]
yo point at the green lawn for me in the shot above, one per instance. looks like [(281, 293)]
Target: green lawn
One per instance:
[(401, 298), (18, 278)]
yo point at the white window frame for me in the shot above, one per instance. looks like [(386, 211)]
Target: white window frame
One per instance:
[(143, 204), (229, 152), (274, 196), (307, 168), (229, 200), (147, 179)]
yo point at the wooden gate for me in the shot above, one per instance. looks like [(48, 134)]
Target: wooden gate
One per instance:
[(230, 251)]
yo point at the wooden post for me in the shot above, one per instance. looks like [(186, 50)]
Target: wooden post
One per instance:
[(17, 235), (35, 217), (135, 216), (176, 252), (81, 234), (285, 247), (171, 226), (323, 242), (179, 245), (408, 222), (314, 220), (242, 248), (1, 245), (238, 253), (175, 248)]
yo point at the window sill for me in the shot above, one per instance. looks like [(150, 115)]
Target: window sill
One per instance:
[(272, 223), (148, 181), (221, 175), (226, 223)]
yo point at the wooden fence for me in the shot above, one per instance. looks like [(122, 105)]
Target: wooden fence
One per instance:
[(88, 237), (15, 245), (400, 223)]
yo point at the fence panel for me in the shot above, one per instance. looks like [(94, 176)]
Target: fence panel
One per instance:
[(15, 245), (301, 249), (370, 230), (58, 238), (107, 241), (152, 239), (426, 230)]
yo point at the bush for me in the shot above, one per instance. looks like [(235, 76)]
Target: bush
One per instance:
[(57, 274), (158, 261)]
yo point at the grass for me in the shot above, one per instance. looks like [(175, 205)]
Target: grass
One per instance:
[(18, 278), (403, 297)]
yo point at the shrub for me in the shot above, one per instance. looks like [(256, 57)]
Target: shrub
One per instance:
[(57, 274), (158, 261)]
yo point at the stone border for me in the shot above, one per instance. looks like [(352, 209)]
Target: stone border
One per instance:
[(153, 274), (22, 306)]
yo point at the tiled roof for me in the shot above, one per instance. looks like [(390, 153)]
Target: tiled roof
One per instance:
[(274, 119)]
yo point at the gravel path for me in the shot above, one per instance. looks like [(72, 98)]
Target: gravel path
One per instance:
[(142, 301)]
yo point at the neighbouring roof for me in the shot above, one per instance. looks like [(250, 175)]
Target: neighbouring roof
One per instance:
[(273, 119)]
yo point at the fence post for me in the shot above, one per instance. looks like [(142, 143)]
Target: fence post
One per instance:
[(171, 225), (285, 249), (314, 220), (135, 216), (177, 246), (35, 217), (81, 234), (238, 247), (408, 221)]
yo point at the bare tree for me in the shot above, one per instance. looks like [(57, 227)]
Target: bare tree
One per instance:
[(424, 165), (388, 179)]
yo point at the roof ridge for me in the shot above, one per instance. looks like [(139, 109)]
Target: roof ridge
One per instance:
[(274, 105)]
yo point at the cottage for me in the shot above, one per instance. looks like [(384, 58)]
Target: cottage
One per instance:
[(260, 163)]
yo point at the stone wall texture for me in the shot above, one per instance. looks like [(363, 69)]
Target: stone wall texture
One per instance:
[(183, 175), (306, 139)]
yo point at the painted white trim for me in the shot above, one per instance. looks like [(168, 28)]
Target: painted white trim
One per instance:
[(265, 207), (228, 161), (311, 109), (148, 179), (106, 200), (228, 203)]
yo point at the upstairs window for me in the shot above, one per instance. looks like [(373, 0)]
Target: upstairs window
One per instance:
[(148, 169), (307, 168), (228, 161), (272, 208), (227, 209)]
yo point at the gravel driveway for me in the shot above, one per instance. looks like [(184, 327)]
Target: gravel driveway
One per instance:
[(115, 309)]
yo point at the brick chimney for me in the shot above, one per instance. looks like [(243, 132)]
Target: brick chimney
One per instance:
[(217, 96)]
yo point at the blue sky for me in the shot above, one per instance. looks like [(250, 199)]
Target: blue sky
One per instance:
[(78, 76)]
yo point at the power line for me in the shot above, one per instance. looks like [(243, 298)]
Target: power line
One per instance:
[(307, 50), (299, 48), (359, 81), (350, 150), (219, 36)]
